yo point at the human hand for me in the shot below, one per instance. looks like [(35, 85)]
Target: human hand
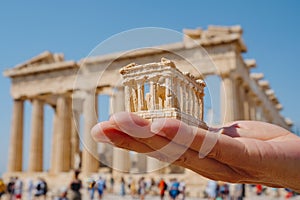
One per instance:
[(245, 152)]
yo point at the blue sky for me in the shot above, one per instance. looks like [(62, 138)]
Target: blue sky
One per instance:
[(271, 33)]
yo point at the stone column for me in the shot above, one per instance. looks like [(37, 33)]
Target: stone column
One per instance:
[(121, 157), (241, 99), (15, 158), (142, 163), (153, 99), (121, 160), (37, 137), (75, 150), (53, 165), (155, 166), (252, 107), (64, 133), (90, 163), (258, 111), (229, 105), (246, 105)]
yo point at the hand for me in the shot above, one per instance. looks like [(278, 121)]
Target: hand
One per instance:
[(245, 152)]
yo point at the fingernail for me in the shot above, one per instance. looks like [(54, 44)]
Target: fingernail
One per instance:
[(132, 125), (157, 125), (98, 135)]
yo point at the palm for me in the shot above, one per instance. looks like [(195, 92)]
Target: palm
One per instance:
[(248, 152)]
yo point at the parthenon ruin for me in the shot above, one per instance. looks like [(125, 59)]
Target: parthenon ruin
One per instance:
[(71, 89)]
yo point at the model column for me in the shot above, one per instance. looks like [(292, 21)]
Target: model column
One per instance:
[(169, 98), (153, 100), (127, 98), (37, 136), (197, 105), (182, 96), (140, 94), (16, 140), (90, 162)]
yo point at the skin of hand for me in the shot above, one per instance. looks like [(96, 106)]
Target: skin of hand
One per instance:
[(246, 151)]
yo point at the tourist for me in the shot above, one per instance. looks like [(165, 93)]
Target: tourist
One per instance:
[(91, 187), (132, 187), (223, 190), (11, 188), (30, 188), (153, 188), (211, 189), (18, 189), (2, 188), (41, 189), (101, 186), (112, 183), (244, 151), (174, 189), (142, 188), (259, 189), (162, 186), (74, 187), (63, 192), (276, 192), (122, 192), (182, 188), (236, 191)]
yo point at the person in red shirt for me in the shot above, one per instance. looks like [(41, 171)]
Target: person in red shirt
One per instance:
[(162, 185)]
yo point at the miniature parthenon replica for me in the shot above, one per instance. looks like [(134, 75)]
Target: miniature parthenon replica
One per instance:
[(172, 94), (49, 80)]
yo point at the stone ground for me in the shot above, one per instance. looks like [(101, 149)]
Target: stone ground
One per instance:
[(108, 196), (116, 197), (128, 197), (250, 196)]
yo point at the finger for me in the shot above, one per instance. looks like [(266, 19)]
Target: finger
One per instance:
[(130, 123), (108, 132), (254, 129), (224, 150), (186, 157)]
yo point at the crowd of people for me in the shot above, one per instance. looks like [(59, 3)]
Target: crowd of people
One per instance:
[(97, 187), (14, 189), (137, 189), (225, 191)]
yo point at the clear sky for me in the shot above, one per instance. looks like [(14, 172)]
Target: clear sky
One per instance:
[(271, 33)]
